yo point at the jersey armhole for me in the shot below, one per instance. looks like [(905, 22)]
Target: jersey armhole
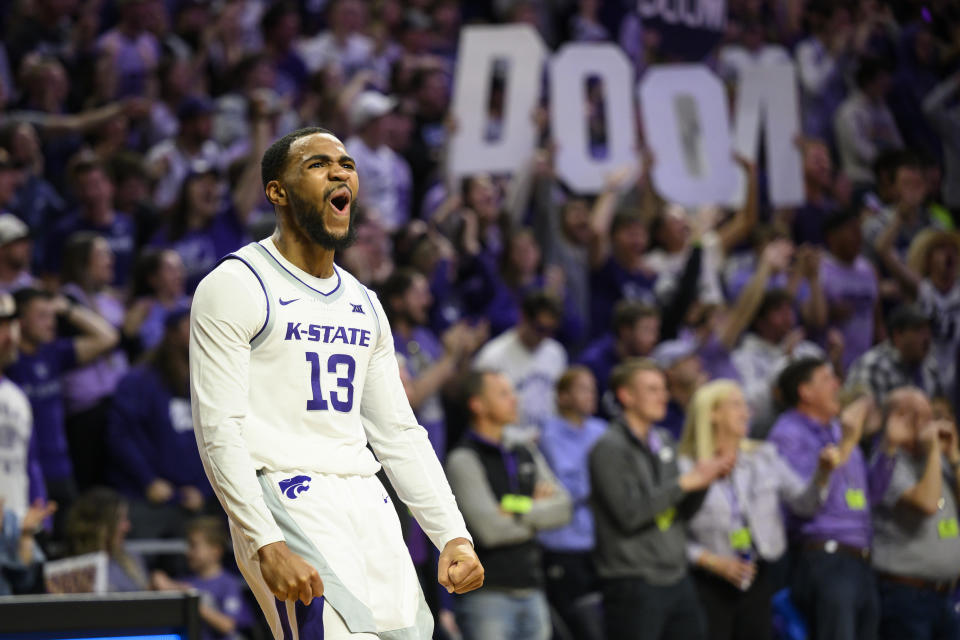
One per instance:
[(373, 308), (261, 335)]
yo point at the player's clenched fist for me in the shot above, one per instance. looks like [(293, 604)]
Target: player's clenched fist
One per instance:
[(289, 576), (459, 569)]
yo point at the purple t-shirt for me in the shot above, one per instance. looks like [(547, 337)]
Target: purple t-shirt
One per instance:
[(86, 386), (200, 249), (855, 288), (717, 359), (225, 593), (737, 280), (153, 327), (845, 515), (40, 375), (612, 283)]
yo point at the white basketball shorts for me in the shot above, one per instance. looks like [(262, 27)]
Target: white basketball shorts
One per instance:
[(347, 528)]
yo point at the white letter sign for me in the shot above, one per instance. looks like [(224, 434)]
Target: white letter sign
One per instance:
[(569, 71), (480, 48), (768, 92), (686, 124)]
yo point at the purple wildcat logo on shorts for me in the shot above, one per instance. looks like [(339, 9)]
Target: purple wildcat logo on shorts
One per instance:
[(293, 487)]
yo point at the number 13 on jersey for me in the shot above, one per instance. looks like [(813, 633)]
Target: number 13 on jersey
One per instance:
[(341, 400)]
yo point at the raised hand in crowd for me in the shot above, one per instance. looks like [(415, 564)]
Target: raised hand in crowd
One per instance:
[(853, 418), (706, 471)]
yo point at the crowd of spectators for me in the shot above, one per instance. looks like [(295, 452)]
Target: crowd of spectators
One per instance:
[(659, 421)]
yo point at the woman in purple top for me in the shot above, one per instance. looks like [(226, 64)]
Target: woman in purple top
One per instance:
[(159, 281), (87, 273)]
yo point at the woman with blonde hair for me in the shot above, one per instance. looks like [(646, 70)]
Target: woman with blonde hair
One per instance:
[(739, 531), (98, 522)]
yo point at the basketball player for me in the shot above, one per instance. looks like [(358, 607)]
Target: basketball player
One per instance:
[(293, 372)]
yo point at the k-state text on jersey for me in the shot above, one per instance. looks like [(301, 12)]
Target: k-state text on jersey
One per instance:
[(328, 334)]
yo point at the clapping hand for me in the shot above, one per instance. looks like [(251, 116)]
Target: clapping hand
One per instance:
[(947, 434), (777, 255), (33, 519)]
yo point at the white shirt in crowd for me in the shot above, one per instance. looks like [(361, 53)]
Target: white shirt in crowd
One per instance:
[(387, 182), (759, 363), (533, 373), (863, 129), (322, 49), (944, 310), (16, 426), (178, 162)]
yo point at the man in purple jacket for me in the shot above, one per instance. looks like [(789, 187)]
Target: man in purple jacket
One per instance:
[(833, 583)]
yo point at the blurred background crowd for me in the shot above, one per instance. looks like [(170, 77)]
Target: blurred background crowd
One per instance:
[(655, 418)]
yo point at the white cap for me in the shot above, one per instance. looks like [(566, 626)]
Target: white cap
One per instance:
[(12, 228), (369, 105)]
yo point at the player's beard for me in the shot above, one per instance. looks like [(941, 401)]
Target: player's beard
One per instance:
[(309, 217)]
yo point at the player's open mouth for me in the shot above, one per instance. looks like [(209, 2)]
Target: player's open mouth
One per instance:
[(340, 201)]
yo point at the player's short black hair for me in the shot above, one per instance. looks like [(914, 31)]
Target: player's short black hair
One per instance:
[(795, 374), (275, 157)]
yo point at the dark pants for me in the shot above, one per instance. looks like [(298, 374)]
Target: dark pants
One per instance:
[(634, 609), (87, 438), (837, 594), (733, 614), (570, 577), (918, 614)]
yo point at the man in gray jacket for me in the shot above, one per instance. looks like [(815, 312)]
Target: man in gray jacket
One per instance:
[(640, 502), (506, 494)]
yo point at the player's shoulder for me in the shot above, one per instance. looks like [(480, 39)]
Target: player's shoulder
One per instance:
[(233, 279)]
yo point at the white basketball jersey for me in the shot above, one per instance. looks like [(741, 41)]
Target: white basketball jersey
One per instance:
[(282, 365), (308, 369)]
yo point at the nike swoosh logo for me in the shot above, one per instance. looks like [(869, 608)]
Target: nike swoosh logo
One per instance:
[(286, 302)]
